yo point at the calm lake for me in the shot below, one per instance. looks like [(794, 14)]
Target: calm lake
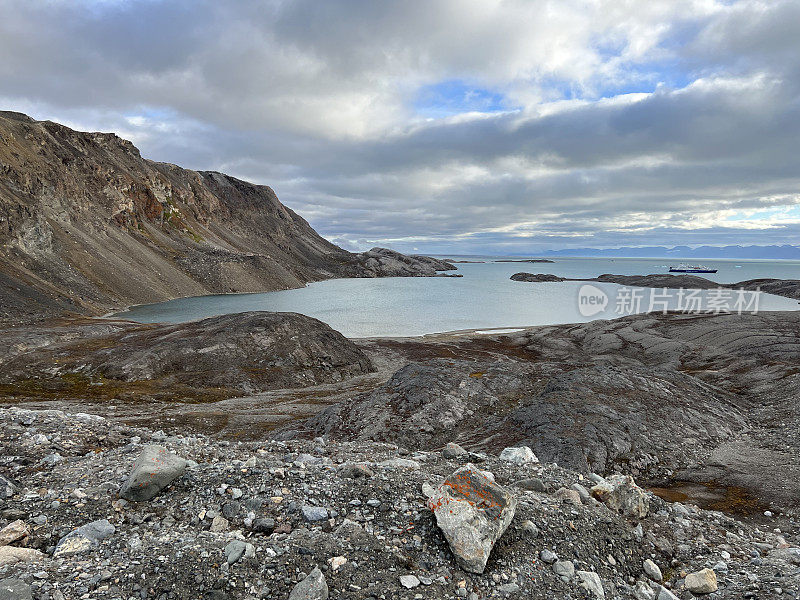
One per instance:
[(483, 298)]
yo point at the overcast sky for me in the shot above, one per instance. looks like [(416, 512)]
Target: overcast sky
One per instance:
[(446, 126)]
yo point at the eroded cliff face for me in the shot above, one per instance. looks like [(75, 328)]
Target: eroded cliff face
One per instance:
[(88, 225)]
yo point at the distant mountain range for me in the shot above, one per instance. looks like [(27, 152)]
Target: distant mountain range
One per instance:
[(786, 251)]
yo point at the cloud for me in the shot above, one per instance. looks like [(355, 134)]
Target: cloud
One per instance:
[(514, 125)]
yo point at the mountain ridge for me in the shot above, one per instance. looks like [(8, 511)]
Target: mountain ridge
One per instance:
[(88, 225)]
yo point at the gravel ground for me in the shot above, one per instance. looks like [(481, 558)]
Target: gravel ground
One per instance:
[(251, 520)]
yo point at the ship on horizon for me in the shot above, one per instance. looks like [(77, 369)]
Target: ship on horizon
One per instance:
[(684, 268)]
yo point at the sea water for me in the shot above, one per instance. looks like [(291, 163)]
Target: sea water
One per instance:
[(484, 298)]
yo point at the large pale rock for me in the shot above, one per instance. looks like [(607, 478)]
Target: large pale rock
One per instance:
[(313, 587), (620, 493), (519, 456), (15, 589), (472, 512), (10, 555), (13, 532), (652, 570), (154, 470), (591, 582), (701, 582), (84, 538)]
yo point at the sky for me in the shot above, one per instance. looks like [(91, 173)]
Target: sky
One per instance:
[(446, 126)]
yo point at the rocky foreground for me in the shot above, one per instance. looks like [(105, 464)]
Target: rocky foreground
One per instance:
[(94, 509)]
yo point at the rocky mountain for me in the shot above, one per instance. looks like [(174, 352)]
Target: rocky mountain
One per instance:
[(88, 225)]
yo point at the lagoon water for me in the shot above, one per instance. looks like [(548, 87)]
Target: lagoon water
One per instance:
[(484, 298)]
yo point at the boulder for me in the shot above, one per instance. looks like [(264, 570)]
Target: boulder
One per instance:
[(313, 587), (701, 582), (10, 555), (15, 589), (13, 532), (84, 538), (620, 493), (519, 455), (472, 512), (154, 470)]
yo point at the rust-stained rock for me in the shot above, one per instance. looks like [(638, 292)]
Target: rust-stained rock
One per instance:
[(472, 512)]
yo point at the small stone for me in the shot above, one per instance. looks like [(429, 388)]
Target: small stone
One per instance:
[(312, 514), (620, 493), (564, 569), (13, 532), (219, 524), (591, 582), (428, 490), (508, 589), (548, 556), (15, 589), (409, 581), (652, 571), (642, 591), (336, 562), (453, 450), (84, 538), (264, 526), (400, 463), (530, 528), (235, 550), (519, 455), (665, 594), (701, 582), (313, 587), (531, 485), (584, 494), (10, 555)]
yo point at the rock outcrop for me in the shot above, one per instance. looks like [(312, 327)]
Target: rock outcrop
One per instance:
[(536, 277), (788, 288), (244, 353), (87, 225)]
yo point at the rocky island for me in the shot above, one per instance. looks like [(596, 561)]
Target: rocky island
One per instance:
[(264, 455)]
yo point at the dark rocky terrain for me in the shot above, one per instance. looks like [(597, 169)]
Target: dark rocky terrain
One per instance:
[(220, 356), (789, 288), (87, 226)]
